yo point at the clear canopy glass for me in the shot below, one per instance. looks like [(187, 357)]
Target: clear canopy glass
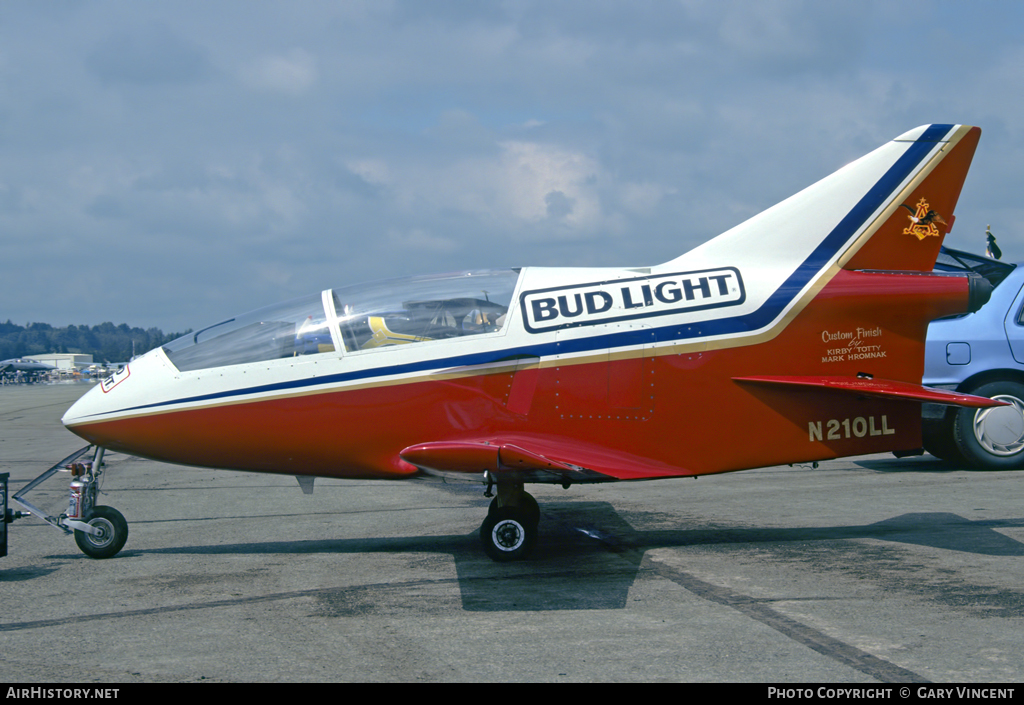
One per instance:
[(355, 318)]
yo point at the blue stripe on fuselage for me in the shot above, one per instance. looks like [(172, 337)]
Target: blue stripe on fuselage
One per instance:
[(756, 320)]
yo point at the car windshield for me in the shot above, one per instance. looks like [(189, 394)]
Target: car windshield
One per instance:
[(354, 318)]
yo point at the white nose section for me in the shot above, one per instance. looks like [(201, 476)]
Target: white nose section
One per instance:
[(134, 387), (88, 405)]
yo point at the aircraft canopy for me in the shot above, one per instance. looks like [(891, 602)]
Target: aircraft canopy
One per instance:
[(354, 319)]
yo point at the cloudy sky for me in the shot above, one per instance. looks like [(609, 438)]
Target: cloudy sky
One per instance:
[(173, 163)]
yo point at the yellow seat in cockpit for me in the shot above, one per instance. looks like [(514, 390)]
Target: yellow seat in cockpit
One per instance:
[(382, 335)]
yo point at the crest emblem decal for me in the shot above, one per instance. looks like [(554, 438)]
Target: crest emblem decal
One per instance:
[(923, 221)]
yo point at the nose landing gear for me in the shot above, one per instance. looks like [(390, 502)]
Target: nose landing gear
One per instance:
[(111, 533), (99, 531)]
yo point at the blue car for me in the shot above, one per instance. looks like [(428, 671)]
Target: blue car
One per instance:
[(979, 353)]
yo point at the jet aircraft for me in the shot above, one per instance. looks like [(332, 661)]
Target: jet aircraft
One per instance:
[(28, 368), (796, 336)]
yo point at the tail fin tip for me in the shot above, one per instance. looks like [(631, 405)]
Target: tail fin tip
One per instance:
[(909, 229)]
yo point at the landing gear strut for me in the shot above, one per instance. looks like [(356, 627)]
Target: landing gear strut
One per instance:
[(100, 532), (510, 530)]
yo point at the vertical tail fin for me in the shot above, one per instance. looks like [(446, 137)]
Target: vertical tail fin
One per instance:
[(888, 210), (909, 229), (856, 217)]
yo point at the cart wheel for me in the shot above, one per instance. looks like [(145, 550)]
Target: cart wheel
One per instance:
[(114, 533)]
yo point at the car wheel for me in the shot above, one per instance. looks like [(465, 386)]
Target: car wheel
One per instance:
[(993, 438)]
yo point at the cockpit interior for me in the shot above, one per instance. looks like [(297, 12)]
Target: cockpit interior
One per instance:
[(354, 319)]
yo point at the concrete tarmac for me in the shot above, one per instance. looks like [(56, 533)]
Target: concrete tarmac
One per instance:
[(865, 570)]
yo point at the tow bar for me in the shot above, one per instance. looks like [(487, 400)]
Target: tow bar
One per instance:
[(100, 532)]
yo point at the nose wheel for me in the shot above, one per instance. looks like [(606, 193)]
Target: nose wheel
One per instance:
[(100, 532), (112, 533), (510, 530)]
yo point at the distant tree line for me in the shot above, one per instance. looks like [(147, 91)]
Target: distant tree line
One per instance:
[(105, 342)]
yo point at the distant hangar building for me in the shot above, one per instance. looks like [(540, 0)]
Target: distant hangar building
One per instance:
[(64, 361)]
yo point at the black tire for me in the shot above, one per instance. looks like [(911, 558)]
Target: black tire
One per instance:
[(528, 505), (938, 439), (993, 438), (115, 533), (508, 534)]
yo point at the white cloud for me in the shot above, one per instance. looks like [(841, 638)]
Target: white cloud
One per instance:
[(293, 73), (401, 242), (372, 171), (171, 137), (534, 182), (523, 182), (643, 198), (519, 184)]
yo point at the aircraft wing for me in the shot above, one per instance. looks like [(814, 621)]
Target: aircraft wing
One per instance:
[(536, 459), (883, 388)]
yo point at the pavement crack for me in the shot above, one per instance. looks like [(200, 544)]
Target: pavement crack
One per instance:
[(761, 611)]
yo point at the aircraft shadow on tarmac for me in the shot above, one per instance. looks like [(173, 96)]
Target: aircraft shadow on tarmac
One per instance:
[(919, 463), (588, 557)]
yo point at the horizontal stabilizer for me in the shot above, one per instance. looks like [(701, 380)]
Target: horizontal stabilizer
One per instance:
[(535, 459), (884, 388)]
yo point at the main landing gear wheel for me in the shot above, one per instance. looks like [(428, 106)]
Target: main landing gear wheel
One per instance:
[(510, 530), (526, 503), (113, 533), (509, 533), (937, 436), (993, 438)]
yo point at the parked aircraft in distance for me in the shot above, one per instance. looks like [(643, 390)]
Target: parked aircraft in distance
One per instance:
[(26, 367), (793, 337)]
